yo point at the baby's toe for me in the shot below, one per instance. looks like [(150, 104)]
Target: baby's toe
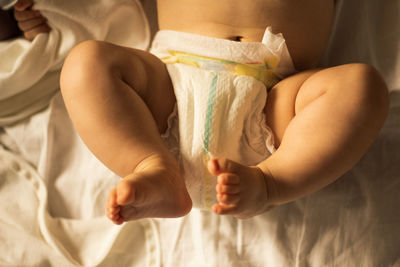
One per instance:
[(228, 178), (118, 220), (228, 199), (227, 189), (114, 210), (111, 216), (111, 202), (125, 193), (115, 218), (221, 165), (224, 209)]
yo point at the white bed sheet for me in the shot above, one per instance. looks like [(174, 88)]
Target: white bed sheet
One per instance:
[(52, 191)]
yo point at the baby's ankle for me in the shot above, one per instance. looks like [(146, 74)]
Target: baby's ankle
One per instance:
[(273, 195), (157, 159)]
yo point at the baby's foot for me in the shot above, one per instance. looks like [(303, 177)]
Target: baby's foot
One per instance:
[(241, 190), (155, 189)]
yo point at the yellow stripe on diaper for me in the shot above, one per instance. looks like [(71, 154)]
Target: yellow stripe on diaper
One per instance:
[(262, 71), (208, 190)]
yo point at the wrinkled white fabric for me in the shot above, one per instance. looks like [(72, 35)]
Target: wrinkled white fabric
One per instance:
[(29, 71), (52, 213)]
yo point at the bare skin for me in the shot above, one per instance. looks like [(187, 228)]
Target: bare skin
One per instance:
[(305, 24), (314, 149), (130, 118), (26, 20), (323, 120), (30, 21)]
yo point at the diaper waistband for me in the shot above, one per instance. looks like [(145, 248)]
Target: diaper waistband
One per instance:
[(262, 71), (272, 49)]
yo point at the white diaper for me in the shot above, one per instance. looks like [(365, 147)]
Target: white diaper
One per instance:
[(221, 90)]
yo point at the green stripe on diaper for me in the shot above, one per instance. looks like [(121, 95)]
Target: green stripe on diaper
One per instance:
[(210, 105), (206, 143)]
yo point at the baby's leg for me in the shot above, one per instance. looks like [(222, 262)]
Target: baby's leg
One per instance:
[(324, 121), (119, 100), (241, 190)]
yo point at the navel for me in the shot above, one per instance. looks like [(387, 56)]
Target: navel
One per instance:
[(236, 38)]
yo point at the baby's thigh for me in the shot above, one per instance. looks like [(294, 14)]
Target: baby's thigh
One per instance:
[(148, 75), (281, 103), (124, 68)]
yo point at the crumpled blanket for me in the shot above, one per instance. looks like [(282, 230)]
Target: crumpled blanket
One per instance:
[(29, 71), (31, 236)]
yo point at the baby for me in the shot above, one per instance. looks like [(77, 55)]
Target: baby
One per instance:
[(216, 64)]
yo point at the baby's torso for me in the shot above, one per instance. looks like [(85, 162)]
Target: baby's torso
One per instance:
[(305, 24)]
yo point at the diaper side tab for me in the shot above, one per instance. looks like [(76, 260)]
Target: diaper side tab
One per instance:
[(278, 47)]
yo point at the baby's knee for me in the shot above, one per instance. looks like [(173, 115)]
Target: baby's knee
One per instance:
[(83, 61), (372, 90)]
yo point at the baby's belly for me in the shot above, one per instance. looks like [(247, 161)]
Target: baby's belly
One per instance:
[(305, 25), (240, 34)]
